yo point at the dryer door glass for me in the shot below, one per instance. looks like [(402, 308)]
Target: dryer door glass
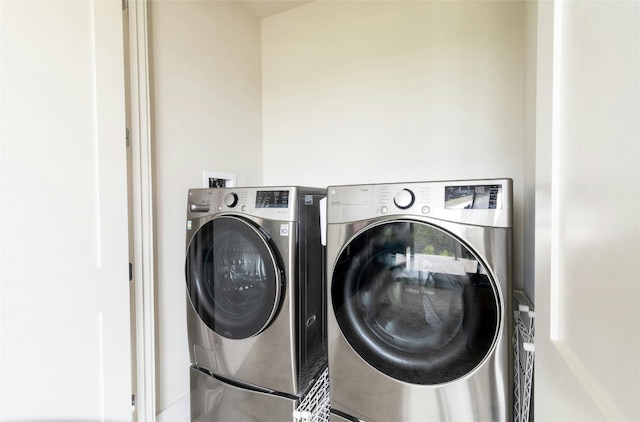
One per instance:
[(232, 277), (415, 302)]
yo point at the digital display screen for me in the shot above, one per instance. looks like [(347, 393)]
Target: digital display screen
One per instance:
[(476, 197), (272, 199)]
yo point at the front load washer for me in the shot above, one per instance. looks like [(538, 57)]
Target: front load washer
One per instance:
[(256, 294), (419, 295)]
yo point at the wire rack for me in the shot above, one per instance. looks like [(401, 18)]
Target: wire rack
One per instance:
[(315, 405), (524, 349)]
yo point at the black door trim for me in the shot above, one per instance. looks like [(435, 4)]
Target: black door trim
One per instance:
[(234, 281), (367, 273)]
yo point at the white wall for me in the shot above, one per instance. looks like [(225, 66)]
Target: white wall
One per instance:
[(205, 62), (393, 90), (359, 92), (351, 92), (529, 148)]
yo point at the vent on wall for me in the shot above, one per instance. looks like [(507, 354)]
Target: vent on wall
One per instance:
[(216, 179)]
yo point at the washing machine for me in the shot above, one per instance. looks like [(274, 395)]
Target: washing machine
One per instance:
[(419, 295), (256, 299)]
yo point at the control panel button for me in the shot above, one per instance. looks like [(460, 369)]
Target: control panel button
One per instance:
[(426, 210), (383, 209), (231, 199), (404, 199)]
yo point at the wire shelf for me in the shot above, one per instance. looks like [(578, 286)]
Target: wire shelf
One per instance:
[(524, 350), (315, 405)]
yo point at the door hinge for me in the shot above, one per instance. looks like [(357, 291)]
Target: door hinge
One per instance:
[(124, 5), (130, 271), (127, 137), (133, 402)]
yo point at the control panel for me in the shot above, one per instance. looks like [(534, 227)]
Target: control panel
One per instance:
[(277, 203), (472, 202)]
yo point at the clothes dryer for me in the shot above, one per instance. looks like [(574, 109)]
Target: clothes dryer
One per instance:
[(256, 296), (419, 301)]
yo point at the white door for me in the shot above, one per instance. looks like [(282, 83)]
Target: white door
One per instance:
[(588, 212), (65, 346)]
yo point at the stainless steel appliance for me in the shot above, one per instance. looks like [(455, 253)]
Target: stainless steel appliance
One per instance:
[(419, 301), (256, 299)]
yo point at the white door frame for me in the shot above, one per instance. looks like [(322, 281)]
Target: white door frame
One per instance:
[(570, 383), (142, 209)]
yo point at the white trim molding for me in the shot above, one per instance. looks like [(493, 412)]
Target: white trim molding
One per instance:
[(142, 209)]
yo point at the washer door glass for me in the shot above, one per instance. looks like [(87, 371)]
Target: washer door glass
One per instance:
[(415, 302), (233, 279)]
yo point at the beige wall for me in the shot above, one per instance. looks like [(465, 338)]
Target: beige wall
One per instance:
[(393, 91), (205, 62), (352, 92), (529, 148), (359, 92)]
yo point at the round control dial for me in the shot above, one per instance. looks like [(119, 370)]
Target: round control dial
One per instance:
[(231, 199), (404, 199)]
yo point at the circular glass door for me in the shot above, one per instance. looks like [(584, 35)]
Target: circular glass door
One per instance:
[(232, 277), (415, 303)]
